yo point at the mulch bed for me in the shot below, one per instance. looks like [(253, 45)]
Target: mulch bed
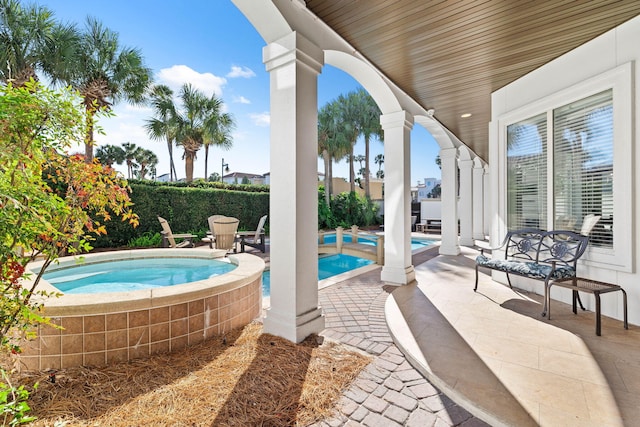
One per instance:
[(245, 378)]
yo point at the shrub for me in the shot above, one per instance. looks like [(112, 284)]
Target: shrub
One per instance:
[(147, 240)]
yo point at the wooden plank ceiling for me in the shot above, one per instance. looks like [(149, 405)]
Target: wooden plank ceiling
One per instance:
[(450, 55)]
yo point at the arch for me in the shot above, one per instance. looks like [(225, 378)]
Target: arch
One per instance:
[(265, 18), (464, 153), (367, 77), (478, 163), (436, 130)]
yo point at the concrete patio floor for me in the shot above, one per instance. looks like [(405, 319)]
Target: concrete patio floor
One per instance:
[(492, 353)]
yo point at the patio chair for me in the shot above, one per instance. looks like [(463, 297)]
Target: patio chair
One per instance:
[(169, 238), (255, 238), (225, 229), (211, 237), (588, 223)]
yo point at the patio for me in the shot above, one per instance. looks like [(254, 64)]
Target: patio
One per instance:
[(492, 352), (487, 355)]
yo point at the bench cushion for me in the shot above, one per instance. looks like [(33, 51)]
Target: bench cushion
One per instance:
[(527, 269)]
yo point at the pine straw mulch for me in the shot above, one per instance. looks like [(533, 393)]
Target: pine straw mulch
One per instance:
[(246, 378)]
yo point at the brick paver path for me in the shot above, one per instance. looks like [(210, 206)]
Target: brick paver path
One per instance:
[(389, 391)]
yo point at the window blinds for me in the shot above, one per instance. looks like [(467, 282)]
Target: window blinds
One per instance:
[(527, 173), (583, 165)]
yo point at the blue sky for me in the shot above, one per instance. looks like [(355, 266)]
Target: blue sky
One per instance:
[(213, 46)]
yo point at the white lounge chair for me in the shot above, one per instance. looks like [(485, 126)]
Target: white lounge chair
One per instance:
[(256, 238), (169, 238), (588, 223)]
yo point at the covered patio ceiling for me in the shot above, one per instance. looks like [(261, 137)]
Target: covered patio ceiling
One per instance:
[(450, 55)]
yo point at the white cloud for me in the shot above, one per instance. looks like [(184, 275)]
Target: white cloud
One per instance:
[(241, 100), (261, 119), (177, 75), (243, 72)]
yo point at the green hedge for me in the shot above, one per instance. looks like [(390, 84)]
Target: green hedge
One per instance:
[(186, 208)]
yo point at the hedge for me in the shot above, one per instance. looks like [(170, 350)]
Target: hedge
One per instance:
[(186, 208)]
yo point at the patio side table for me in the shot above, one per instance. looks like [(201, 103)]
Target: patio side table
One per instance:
[(590, 286)]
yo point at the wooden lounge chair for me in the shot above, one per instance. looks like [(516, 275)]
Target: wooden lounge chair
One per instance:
[(169, 238), (224, 229), (256, 238), (210, 238)]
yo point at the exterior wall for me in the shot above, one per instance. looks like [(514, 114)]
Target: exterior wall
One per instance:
[(613, 50)]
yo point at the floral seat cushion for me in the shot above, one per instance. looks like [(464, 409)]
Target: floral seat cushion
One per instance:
[(527, 269)]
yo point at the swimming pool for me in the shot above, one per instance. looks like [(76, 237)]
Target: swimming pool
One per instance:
[(104, 328), (415, 242), (328, 266), (135, 274)]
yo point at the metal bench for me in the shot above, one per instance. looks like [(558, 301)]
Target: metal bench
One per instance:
[(537, 254)]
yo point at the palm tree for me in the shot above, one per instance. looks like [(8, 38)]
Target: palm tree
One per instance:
[(379, 160), (110, 154), (31, 40), (331, 142), (163, 124), (104, 73), (199, 123), (349, 112), (131, 153), (369, 118), (147, 160), (221, 136), (360, 159)]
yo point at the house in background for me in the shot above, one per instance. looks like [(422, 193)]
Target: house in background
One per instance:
[(163, 178), (423, 191), (238, 177)]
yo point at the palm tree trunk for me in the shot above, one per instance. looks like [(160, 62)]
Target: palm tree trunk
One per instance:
[(327, 185), (172, 168), (330, 177), (367, 191), (188, 165), (352, 174), (88, 138), (206, 162)]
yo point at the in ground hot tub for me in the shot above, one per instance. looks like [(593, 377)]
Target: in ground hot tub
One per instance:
[(104, 328)]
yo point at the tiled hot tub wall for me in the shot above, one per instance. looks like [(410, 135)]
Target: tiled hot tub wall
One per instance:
[(168, 319)]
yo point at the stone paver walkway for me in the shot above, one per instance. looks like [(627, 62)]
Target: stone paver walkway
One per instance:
[(389, 392)]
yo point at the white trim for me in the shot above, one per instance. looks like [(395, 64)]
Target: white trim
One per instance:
[(620, 79)]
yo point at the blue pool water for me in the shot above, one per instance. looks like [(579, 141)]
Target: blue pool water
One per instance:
[(328, 266), (132, 275), (415, 243)]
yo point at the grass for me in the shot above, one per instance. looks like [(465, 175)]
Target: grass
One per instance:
[(245, 378)]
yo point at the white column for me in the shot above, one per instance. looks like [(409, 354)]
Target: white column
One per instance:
[(487, 201), (466, 202), (478, 200), (397, 198), (449, 199), (293, 64)]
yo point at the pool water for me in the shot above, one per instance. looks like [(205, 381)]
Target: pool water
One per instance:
[(415, 243), (328, 266), (132, 275)]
